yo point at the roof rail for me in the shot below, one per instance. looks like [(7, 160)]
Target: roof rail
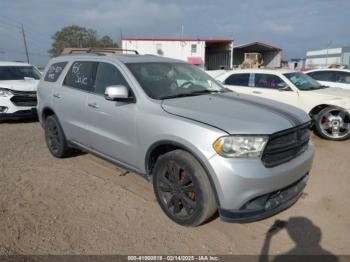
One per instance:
[(84, 50)]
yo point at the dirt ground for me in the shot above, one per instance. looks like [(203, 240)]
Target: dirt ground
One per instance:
[(81, 205)]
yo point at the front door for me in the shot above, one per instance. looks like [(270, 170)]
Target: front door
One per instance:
[(114, 131), (273, 87)]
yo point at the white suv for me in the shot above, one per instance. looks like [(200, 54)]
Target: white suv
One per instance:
[(328, 107), (18, 86)]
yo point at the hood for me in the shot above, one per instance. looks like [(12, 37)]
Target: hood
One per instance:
[(20, 85), (237, 113), (334, 92)]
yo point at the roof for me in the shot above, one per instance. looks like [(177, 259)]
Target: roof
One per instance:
[(10, 63), (258, 46), (257, 71), (180, 40), (124, 58), (329, 69)]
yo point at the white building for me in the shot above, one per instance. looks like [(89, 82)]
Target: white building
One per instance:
[(325, 57), (207, 53)]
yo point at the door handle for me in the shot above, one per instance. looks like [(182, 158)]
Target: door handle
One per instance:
[(257, 92), (56, 95), (93, 105)]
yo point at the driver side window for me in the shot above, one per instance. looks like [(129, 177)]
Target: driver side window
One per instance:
[(108, 75)]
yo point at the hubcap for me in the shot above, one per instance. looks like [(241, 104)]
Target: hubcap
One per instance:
[(177, 191), (335, 123)]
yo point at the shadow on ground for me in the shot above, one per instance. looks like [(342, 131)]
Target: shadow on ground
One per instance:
[(306, 236)]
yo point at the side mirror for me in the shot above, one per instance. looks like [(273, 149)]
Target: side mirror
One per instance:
[(284, 87), (118, 93)]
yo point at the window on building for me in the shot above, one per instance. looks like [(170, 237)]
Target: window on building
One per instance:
[(194, 48)]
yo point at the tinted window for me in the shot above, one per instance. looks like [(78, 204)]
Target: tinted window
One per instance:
[(107, 75), (269, 81), (81, 75), (54, 71), (238, 80), (18, 72), (323, 76), (342, 77)]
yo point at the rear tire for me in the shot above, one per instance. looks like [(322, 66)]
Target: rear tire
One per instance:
[(333, 123), (183, 189), (55, 138)]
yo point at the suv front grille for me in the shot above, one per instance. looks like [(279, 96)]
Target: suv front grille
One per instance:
[(24, 98), (286, 145)]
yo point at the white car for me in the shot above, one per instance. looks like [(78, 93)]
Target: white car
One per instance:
[(328, 107), (18, 87), (331, 77)]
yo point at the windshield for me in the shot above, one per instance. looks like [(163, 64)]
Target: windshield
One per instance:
[(18, 72), (170, 80), (303, 82)]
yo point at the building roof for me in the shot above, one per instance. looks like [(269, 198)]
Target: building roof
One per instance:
[(180, 40), (257, 46)]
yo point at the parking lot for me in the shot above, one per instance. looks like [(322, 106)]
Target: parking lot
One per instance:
[(81, 205)]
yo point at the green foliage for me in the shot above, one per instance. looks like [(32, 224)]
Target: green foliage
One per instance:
[(76, 36)]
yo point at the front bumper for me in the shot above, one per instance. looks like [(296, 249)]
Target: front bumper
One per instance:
[(29, 113), (266, 205), (241, 181)]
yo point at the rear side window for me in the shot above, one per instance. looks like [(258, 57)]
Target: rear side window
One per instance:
[(238, 80), (269, 81), (323, 76), (342, 77), (108, 75), (54, 71), (81, 75)]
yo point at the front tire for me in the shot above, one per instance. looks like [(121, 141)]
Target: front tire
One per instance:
[(183, 189), (55, 138), (333, 123)]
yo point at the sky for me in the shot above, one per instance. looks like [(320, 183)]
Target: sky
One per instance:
[(295, 26)]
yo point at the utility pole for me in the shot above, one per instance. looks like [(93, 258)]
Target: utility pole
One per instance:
[(329, 44), (25, 43)]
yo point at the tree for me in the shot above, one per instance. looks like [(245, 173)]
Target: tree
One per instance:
[(76, 36)]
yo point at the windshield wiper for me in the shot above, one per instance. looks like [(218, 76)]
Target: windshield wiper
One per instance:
[(194, 93)]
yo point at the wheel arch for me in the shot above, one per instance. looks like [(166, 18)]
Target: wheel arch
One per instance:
[(161, 147), (47, 111), (316, 109)]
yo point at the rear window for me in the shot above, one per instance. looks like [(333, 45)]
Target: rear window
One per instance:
[(238, 80), (54, 71), (81, 75), (19, 72)]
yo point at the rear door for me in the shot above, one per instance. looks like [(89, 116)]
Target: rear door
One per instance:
[(70, 100), (114, 132), (273, 87)]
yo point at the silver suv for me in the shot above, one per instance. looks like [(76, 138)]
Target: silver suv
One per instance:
[(204, 148)]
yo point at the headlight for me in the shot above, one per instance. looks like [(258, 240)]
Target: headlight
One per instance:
[(5, 92), (240, 146)]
